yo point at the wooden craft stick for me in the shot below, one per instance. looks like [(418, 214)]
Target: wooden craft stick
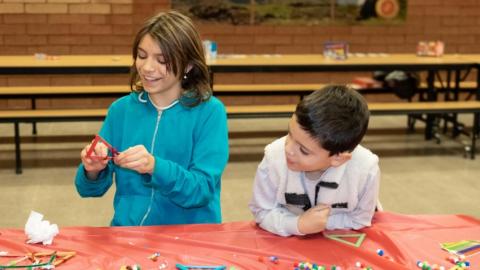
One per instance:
[(63, 259)]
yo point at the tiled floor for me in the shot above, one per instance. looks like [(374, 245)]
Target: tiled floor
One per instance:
[(418, 176)]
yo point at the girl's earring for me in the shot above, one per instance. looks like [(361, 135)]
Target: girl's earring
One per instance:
[(185, 76)]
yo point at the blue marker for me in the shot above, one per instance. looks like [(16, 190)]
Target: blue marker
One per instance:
[(208, 267)]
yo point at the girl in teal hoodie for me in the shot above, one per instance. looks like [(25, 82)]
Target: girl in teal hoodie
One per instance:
[(171, 134)]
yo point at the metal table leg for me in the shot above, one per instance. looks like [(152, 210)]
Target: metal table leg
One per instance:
[(18, 158)]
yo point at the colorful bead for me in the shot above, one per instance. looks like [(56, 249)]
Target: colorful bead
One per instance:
[(311, 266), (133, 267), (273, 259), (163, 265), (380, 252), (154, 256), (453, 259)]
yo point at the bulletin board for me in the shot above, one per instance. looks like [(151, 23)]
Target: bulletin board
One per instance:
[(296, 12)]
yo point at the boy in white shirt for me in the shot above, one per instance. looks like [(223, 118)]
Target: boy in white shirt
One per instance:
[(318, 176)]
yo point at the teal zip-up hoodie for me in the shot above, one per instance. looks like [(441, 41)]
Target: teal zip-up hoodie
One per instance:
[(190, 146)]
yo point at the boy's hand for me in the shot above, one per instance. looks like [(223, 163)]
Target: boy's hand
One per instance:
[(314, 219), (94, 165), (136, 158)]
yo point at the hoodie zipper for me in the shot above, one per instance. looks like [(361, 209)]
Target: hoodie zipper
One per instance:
[(152, 147)]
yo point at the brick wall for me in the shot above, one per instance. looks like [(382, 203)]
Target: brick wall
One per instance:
[(107, 27), (71, 26)]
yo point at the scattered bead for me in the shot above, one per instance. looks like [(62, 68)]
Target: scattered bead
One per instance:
[(163, 265), (273, 259), (380, 252), (310, 266), (130, 267), (154, 256), (425, 265), (452, 259)]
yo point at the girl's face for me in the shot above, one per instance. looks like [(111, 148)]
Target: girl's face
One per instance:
[(303, 153), (162, 86)]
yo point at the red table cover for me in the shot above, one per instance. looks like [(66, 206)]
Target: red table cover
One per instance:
[(243, 245)]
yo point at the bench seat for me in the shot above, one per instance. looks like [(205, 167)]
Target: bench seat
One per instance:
[(49, 115), (32, 92), (244, 111)]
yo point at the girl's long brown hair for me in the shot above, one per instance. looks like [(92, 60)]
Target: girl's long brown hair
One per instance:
[(181, 47)]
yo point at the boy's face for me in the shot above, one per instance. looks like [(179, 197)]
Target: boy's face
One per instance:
[(303, 153)]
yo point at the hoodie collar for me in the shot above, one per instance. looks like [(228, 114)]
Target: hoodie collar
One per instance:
[(143, 97)]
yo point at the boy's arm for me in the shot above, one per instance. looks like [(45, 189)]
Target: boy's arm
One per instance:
[(362, 215), (269, 214)]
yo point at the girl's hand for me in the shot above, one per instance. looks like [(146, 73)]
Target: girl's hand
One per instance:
[(136, 158), (94, 164)]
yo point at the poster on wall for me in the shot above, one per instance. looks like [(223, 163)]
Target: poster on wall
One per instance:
[(291, 12)]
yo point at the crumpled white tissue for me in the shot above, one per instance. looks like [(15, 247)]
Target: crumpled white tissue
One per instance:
[(39, 230)]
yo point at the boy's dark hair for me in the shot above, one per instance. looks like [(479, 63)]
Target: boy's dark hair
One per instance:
[(336, 116), (181, 46)]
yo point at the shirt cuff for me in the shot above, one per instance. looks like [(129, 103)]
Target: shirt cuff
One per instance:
[(291, 225), (100, 176)]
